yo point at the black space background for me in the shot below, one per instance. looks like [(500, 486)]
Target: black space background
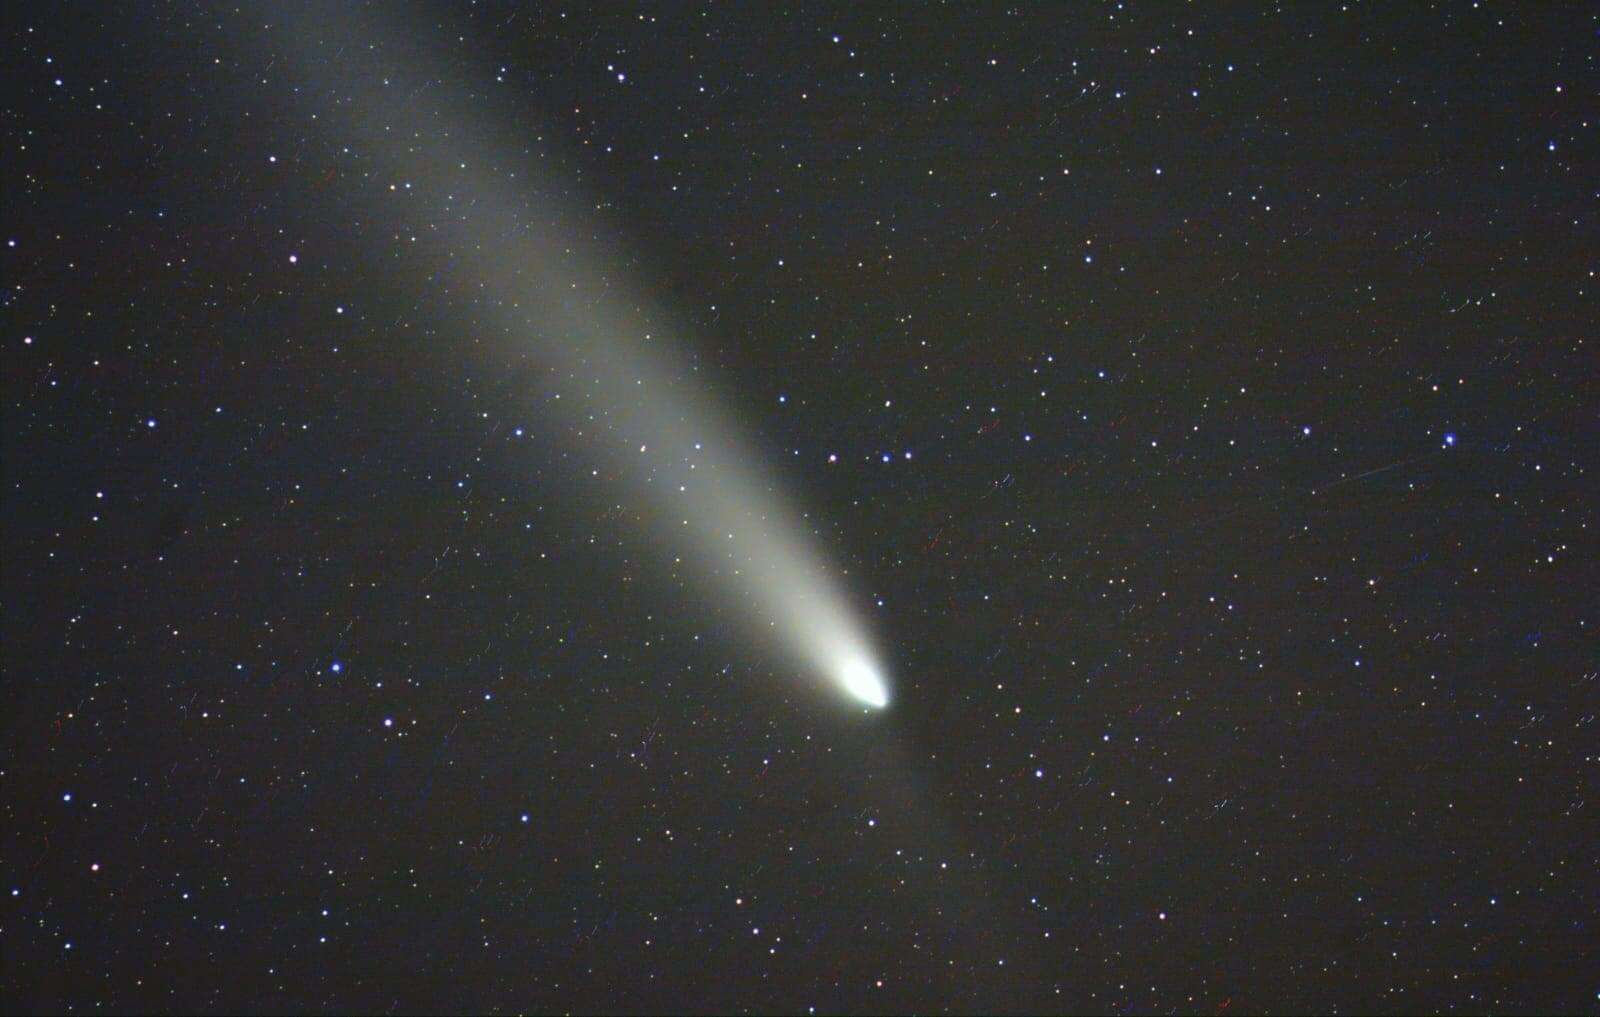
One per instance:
[(1194, 710)]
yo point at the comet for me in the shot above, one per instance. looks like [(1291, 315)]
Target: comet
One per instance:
[(546, 284)]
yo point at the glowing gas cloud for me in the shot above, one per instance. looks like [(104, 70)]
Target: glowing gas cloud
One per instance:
[(484, 216)]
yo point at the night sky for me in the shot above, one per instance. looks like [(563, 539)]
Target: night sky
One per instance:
[(1197, 409)]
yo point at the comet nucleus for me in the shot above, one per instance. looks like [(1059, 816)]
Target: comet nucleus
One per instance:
[(862, 681)]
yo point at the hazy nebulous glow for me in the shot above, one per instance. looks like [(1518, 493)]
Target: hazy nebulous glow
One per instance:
[(545, 289)]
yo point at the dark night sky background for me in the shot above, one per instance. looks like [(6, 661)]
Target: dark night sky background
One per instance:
[(1238, 593)]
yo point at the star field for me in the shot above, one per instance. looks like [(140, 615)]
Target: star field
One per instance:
[(1197, 404)]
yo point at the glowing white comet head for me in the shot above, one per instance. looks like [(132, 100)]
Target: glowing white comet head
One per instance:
[(862, 680)]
